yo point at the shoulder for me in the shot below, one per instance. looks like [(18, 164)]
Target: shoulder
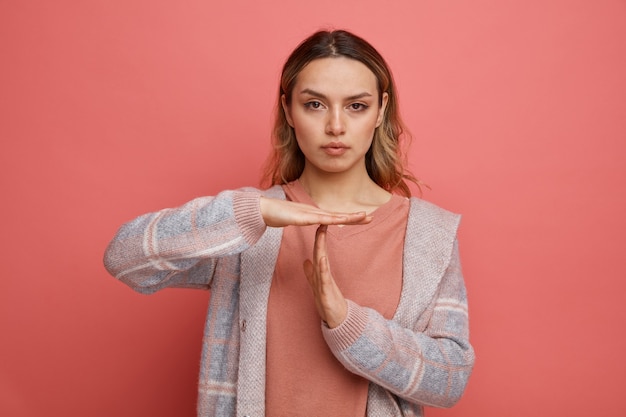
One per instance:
[(426, 215), (431, 232)]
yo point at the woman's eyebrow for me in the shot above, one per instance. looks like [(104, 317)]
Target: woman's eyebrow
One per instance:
[(320, 95)]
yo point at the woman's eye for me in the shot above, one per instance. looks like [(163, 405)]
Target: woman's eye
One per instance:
[(313, 105), (358, 106)]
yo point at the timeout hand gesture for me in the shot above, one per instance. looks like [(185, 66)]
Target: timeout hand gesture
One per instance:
[(329, 301), (281, 213)]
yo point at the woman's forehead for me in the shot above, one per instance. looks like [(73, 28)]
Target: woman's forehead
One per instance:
[(336, 74)]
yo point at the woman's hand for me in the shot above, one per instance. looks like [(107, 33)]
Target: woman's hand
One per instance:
[(330, 302), (281, 213)]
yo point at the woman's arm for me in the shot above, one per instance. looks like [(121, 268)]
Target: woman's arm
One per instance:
[(429, 367), (179, 247)]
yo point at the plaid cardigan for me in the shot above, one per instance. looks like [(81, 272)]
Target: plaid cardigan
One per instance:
[(420, 357)]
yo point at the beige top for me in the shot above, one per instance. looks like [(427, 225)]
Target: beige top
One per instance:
[(303, 377)]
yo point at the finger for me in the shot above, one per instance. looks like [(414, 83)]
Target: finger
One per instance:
[(319, 247), (324, 269), (343, 218), (321, 256)]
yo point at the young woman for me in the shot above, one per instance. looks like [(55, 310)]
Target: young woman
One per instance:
[(359, 307)]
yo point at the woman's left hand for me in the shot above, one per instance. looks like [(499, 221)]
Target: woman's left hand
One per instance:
[(330, 302)]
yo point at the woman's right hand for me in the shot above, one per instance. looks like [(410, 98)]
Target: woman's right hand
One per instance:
[(281, 213)]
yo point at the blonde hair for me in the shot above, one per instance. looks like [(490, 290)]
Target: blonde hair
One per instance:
[(385, 161)]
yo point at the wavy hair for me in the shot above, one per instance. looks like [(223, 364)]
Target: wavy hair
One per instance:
[(385, 161)]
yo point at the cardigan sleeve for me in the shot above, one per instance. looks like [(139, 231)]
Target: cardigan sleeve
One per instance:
[(429, 366), (180, 247)]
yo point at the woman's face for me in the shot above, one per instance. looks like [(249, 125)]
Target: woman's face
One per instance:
[(334, 112)]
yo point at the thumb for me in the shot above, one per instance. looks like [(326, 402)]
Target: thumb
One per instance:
[(308, 269)]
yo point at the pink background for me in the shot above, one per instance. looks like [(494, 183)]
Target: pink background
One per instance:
[(113, 108)]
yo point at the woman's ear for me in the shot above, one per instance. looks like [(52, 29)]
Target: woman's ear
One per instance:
[(381, 110), (283, 102)]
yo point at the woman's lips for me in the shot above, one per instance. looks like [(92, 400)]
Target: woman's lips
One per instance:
[(335, 148)]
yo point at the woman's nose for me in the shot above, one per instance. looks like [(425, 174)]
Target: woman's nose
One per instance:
[(335, 125)]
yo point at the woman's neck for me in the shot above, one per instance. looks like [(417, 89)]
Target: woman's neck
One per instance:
[(347, 191)]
